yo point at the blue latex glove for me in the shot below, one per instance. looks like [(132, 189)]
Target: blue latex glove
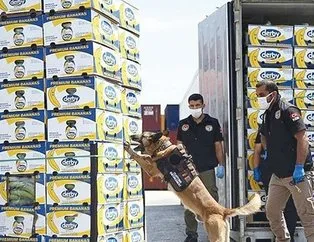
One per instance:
[(220, 171), (257, 175), (298, 174)]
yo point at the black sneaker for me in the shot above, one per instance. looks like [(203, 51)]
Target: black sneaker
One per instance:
[(191, 238)]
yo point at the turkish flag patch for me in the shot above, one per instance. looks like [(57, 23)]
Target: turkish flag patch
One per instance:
[(295, 117)]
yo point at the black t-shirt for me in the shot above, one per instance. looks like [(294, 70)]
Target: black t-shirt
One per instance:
[(279, 126), (199, 140)]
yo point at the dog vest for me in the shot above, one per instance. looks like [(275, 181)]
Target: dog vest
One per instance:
[(177, 169)]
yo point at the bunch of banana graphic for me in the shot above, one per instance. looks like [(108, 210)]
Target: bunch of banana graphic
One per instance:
[(253, 77), (52, 193), (299, 58), (299, 76), (253, 100), (299, 97), (51, 224), (256, 187), (299, 37), (253, 34), (252, 138), (253, 58), (253, 119), (52, 97)]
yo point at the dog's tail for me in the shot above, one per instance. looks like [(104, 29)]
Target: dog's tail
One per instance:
[(251, 207)]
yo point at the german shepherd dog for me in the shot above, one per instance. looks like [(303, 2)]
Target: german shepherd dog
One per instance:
[(156, 152)]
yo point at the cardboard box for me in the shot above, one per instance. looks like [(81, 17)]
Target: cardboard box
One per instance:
[(116, 237), (22, 95), (22, 190), (23, 158), (129, 45), (310, 135), (70, 27), (304, 99), (254, 118), (131, 126), (131, 74), (110, 218), (110, 157), (80, 92), (68, 157), (135, 235), (304, 78), (129, 17), (20, 6), (308, 118), (77, 125), (260, 35), (22, 126), (131, 104), (134, 217), (77, 59), (17, 221), (20, 32), (68, 221), (303, 58), (110, 188), (133, 187), (109, 8), (68, 189), (282, 77), (304, 35), (270, 57), (22, 64)]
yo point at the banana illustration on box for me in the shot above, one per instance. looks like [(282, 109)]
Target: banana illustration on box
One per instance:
[(251, 136), (304, 35), (308, 118), (304, 78), (304, 58), (304, 99), (253, 185), (250, 159), (310, 135), (255, 118)]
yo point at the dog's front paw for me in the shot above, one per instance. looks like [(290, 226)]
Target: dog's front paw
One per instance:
[(127, 145)]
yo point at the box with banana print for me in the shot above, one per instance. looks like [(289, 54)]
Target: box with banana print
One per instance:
[(308, 118), (133, 187), (129, 17), (20, 6), (68, 189), (134, 216), (20, 32), (22, 95), (74, 26), (82, 92), (304, 35), (131, 74), (110, 188), (110, 218), (22, 190), (117, 237), (254, 118), (304, 78), (110, 157), (129, 45), (22, 64), (135, 235), (304, 99), (22, 158), (68, 221), (130, 103), (303, 58), (68, 157), (131, 126), (82, 59)]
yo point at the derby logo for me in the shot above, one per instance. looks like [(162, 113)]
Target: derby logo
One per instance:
[(111, 213), (133, 127), (111, 183), (111, 122), (134, 210), (107, 27), (271, 75), (270, 33), (270, 55), (111, 153), (133, 182), (110, 92)]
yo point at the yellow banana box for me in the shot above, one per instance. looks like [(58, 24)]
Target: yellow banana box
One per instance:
[(23, 158), (310, 135), (131, 166), (68, 157), (17, 221), (250, 159), (135, 235), (110, 188), (286, 94), (254, 118), (304, 35), (116, 237), (20, 32), (304, 99), (110, 157), (251, 136), (22, 95), (280, 35), (80, 92), (74, 26), (304, 78), (108, 7), (308, 118), (134, 217), (22, 64), (78, 59), (79, 125), (129, 17), (68, 221), (129, 45), (263, 196), (252, 184), (303, 58), (282, 77), (270, 57), (133, 188), (20, 6), (130, 103), (131, 126), (68, 189), (22, 126), (110, 218), (131, 74), (25, 190)]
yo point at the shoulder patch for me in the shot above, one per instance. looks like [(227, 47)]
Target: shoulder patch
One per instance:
[(278, 114), (294, 116), (185, 127), (209, 128)]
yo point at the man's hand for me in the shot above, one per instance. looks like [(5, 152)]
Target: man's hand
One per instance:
[(298, 174), (220, 171), (257, 174)]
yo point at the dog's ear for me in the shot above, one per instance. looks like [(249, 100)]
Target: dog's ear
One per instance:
[(155, 137)]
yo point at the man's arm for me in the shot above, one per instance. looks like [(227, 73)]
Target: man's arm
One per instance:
[(257, 154), (302, 147), (219, 152)]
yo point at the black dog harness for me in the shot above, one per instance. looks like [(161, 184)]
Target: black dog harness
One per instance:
[(177, 168)]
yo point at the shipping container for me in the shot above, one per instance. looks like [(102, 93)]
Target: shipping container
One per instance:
[(172, 116), (151, 117)]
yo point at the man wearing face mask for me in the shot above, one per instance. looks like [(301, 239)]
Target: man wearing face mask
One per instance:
[(283, 134), (202, 138)]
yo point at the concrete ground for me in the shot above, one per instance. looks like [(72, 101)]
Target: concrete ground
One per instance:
[(164, 218)]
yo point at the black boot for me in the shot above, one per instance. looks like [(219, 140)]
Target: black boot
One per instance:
[(191, 238)]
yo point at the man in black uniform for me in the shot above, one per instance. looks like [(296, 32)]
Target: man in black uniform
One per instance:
[(263, 174), (202, 138), (284, 136)]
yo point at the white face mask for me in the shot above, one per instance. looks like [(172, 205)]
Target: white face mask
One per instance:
[(196, 113), (262, 102)]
